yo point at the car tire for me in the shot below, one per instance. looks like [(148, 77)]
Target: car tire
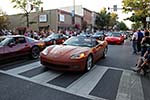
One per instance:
[(105, 52), (89, 63), (35, 52)]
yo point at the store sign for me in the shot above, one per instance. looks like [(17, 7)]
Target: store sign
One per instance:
[(61, 18), (43, 18)]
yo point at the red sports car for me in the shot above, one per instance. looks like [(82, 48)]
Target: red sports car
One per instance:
[(114, 38), (77, 53), (17, 45)]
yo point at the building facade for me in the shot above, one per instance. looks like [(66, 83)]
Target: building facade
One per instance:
[(55, 19)]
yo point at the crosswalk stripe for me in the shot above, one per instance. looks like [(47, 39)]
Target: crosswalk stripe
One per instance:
[(46, 76), (130, 87), (24, 68), (88, 81)]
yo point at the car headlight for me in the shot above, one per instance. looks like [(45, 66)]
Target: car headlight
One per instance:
[(41, 45), (77, 56), (45, 51)]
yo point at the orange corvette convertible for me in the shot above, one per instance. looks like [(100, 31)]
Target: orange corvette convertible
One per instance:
[(75, 54)]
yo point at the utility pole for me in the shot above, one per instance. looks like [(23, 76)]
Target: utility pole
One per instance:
[(73, 13)]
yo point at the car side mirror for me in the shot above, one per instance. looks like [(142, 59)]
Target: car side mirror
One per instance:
[(11, 44)]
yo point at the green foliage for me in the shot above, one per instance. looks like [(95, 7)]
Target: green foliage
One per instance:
[(136, 25), (113, 19), (122, 26), (105, 20), (102, 19), (139, 8), (22, 4), (3, 20)]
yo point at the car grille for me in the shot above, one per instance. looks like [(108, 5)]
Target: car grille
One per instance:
[(50, 65)]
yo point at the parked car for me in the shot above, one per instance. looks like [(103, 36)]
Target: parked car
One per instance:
[(99, 35), (17, 45), (77, 53), (85, 34), (114, 38), (55, 38)]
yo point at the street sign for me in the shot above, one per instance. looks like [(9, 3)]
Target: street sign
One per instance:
[(147, 19), (115, 7)]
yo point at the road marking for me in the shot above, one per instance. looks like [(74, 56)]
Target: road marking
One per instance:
[(130, 87), (88, 81), (46, 76), (24, 68)]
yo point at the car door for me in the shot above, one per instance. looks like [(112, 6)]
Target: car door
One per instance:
[(2, 53), (8, 50), (22, 47), (98, 49)]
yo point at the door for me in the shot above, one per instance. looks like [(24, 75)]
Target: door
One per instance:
[(21, 46), (98, 49)]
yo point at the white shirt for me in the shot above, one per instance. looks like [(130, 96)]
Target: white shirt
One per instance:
[(135, 36)]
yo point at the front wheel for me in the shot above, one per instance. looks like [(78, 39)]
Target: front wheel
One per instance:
[(89, 63), (35, 51)]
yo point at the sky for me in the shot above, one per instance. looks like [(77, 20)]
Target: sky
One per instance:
[(94, 5)]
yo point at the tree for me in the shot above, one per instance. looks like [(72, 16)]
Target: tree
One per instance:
[(26, 6), (102, 19), (3, 20), (139, 9), (122, 26), (136, 25), (113, 19)]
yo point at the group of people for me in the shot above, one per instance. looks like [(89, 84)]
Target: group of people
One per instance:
[(141, 43)]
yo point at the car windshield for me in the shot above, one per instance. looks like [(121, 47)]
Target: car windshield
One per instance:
[(54, 36), (114, 34), (98, 33), (31, 40), (79, 41), (5, 41)]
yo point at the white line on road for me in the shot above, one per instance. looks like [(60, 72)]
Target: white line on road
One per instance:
[(88, 81), (24, 68)]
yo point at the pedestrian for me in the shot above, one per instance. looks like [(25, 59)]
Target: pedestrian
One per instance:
[(139, 39), (145, 43), (134, 42)]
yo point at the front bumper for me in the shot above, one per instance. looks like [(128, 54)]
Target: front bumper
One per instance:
[(56, 64)]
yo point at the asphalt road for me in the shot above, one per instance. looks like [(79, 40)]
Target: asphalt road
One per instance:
[(119, 56), (110, 79)]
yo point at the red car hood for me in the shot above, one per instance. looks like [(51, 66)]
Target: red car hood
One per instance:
[(66, 50)]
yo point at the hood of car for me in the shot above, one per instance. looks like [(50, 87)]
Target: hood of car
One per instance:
[(112, 38), (66, 50)]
